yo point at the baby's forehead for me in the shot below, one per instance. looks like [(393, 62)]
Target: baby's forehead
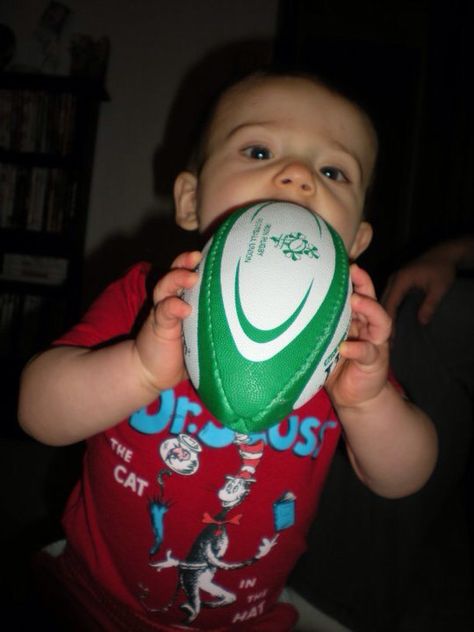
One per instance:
[(252, 91), (258, 96), (256, 93), (256, 88)]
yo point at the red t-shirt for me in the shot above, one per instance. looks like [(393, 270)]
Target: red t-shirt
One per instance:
[(181, 520)]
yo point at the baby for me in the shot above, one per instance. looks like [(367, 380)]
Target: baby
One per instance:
[(178, 522)]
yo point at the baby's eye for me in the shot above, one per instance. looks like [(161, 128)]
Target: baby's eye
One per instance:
[(257, 152), (333, 173)]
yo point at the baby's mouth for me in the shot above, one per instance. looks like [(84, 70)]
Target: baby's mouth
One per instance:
[(214, 225)]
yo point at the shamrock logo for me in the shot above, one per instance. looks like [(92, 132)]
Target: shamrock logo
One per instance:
[(295, 246)]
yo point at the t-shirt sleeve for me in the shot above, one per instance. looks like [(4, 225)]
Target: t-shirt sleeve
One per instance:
[(113, 313)]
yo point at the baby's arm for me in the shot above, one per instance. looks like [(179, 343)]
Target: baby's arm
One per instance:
[(391, 443), (70, 393)]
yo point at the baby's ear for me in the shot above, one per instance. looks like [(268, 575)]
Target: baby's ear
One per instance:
[(361, 241), (184, 191)]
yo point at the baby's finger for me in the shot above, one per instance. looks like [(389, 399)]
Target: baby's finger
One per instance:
[(360, 351), (361, 281), (376, 322), (187, 260), (168, 315), (173, 283)]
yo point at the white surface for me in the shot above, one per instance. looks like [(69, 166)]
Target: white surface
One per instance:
[(311, 619)]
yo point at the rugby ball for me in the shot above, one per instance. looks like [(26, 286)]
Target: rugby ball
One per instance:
[(270, 308)]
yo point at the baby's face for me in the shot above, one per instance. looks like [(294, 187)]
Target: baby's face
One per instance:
[(288, 139)]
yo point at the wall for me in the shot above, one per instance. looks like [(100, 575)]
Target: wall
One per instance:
[(154, 44)]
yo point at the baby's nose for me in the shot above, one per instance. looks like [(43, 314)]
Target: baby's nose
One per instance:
[(296, 176)]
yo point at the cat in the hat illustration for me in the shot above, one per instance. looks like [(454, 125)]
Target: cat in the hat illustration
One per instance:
[(206, 555)]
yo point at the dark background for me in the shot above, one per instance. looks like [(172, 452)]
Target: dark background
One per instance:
[(401, 565), (410, 64)]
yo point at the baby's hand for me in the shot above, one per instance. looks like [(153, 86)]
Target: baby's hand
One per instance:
[(159, 343), (363, 367)]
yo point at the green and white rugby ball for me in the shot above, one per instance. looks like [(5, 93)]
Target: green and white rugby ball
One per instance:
[(270, 308)]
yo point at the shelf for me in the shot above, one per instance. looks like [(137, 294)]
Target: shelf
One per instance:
[(38, 159), (37, 242), (54, 84), (36, 289), (48, 128)]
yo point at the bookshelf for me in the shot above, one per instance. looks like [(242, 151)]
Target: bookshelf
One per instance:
[(48, 128)]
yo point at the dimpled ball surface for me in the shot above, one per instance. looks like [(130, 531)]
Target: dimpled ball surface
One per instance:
[(270, 308)]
